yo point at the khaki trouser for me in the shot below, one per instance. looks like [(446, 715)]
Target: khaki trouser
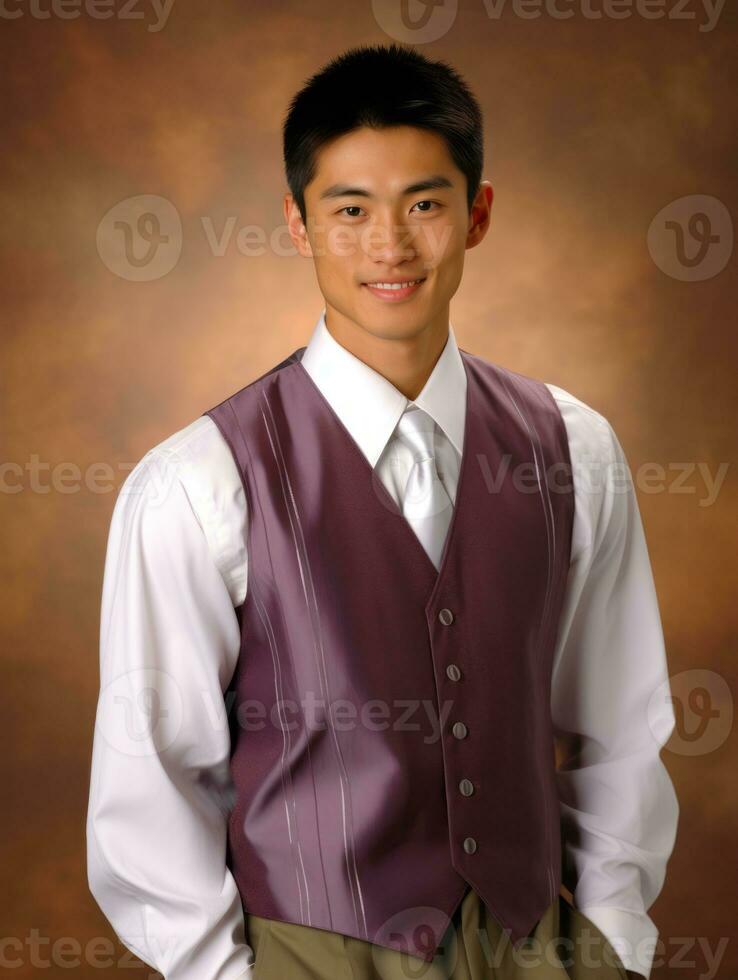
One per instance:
[(564, 944)]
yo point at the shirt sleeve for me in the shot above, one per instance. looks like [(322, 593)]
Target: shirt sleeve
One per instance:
[(611, 703), (160, 789)]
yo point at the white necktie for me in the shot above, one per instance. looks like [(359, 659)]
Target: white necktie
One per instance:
[(426, 505)]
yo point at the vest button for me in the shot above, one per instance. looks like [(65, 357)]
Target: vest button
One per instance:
[(460, 730), (470, 845), (453, 672), (466, 787), (446, 617)]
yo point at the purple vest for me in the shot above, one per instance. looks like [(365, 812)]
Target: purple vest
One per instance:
[(392, 742)]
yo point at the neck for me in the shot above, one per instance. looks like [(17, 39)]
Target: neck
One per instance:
[(406, 360)]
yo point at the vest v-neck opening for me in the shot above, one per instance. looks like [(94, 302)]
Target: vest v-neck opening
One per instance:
[(437, 573)]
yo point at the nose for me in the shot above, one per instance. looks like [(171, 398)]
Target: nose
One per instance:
[(390, 242)]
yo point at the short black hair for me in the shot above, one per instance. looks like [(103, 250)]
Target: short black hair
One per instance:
[(382, 86)]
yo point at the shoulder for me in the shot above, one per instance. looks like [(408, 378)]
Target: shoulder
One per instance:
[(590, 433), (250, 392), (198, 455), (603, 483), (190, 478)]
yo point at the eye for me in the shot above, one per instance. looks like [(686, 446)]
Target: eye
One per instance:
[(350, 207), (426, 210)]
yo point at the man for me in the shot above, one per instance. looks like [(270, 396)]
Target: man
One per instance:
[(347, 610)]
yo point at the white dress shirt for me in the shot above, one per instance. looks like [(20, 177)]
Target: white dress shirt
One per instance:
[(175, 571)]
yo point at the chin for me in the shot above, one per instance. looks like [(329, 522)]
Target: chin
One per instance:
[(393, 325)]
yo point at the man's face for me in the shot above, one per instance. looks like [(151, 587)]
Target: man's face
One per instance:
[(372, 219)]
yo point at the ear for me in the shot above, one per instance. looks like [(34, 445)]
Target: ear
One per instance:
[(480, 214), (296, 226)]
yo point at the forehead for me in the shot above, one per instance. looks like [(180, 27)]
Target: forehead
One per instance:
[(382, 160)]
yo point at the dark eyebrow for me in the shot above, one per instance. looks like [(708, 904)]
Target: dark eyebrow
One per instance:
[(429, 184)]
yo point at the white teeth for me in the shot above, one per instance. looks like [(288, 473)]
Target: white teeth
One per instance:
[(394, 285)]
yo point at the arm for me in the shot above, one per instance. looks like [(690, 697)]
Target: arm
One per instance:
[(160, 788), (618, 806)]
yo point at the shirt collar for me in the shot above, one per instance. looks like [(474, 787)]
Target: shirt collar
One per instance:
[(370, 406)]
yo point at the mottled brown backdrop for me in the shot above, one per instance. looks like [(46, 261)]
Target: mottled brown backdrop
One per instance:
[(594, 125)]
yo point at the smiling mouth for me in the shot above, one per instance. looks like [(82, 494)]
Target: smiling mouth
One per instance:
[(405, 284)]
